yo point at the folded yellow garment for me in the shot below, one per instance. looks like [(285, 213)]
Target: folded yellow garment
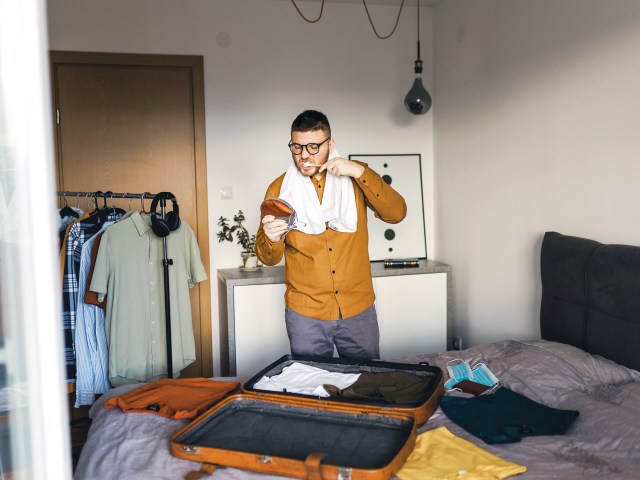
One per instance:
[(439, 454)]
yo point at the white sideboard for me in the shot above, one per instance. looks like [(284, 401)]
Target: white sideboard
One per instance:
[(413, 306), (412, 313)]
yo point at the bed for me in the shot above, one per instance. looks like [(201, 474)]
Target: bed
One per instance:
[(587, 360)]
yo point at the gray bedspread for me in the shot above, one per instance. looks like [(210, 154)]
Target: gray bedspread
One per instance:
[(604, 442)]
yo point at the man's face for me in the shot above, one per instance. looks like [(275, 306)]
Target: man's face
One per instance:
[(317, 141)]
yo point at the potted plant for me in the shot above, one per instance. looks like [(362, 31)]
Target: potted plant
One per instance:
[(247, 241)]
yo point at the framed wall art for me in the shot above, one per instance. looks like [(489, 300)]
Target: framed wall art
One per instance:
[(406, 239)]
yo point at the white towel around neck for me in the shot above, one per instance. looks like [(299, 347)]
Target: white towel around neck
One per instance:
[(338, 206)]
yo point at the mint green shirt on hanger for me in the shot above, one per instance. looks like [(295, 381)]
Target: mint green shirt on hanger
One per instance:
[(130, 273)]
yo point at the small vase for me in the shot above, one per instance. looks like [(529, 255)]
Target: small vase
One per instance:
[(250, 261)]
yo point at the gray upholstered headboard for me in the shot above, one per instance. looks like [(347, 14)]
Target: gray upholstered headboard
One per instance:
[(591, 296)]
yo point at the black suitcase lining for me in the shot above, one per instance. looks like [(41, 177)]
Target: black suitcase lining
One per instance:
[(346, 366), (278, 430)]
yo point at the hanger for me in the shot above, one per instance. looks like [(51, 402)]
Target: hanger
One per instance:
[(113, 209), (142, 210), (102, 213), (95, 196), (105, 212), (88, 198), (125, 195), (67, 211)]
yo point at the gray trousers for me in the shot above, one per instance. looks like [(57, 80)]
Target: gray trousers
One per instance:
[(356, 337)]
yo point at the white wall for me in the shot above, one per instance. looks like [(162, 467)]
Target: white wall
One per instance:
[(264, 65), (536, 129)]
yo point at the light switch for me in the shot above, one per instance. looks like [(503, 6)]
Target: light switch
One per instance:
[(226, 193)]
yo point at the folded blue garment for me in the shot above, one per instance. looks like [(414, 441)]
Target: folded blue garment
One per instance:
[(506, 416)]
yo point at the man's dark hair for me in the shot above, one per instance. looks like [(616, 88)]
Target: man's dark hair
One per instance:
[(310, 121)]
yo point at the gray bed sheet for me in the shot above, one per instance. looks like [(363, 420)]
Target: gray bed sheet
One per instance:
[(604, 442)]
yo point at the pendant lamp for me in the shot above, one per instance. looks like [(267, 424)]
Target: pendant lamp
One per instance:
[(418, 100)]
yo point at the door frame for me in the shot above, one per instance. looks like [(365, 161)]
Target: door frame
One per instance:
[(195, 64)]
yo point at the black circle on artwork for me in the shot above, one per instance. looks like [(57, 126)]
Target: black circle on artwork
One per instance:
[(387, 179), (389, 234)]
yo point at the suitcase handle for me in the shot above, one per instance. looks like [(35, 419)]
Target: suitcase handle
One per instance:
[(206, 469), (312, 465)]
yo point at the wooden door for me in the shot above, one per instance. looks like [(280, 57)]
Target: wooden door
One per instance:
[(133, 124)]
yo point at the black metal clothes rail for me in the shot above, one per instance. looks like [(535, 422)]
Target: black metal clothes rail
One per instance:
[(165, 260), (109, 195)]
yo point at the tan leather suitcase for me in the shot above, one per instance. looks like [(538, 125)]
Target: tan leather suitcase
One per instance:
[(303, 436), (297, 438), (421, 409)]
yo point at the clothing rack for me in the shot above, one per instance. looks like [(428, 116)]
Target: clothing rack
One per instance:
[(107, 195), (165, 260)]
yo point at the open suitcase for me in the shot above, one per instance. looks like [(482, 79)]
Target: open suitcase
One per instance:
[(303, 436), (421, 410)]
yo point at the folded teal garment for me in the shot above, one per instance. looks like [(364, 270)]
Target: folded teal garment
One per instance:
[(506, 416)]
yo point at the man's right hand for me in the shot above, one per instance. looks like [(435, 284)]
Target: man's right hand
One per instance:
[(274, 228)]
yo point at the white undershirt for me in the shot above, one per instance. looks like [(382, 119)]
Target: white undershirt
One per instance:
[(305, 379)]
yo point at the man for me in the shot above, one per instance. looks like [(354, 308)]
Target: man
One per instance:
[(329, 292)]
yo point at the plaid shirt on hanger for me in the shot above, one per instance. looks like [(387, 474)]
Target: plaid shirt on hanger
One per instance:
[(79, 232)]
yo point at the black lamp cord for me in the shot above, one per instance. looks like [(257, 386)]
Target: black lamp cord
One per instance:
[(381, 37), (418, 30), (374, 27), (305, 18), (418, 63)]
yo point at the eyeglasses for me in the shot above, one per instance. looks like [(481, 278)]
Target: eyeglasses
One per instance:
[(312, 148)]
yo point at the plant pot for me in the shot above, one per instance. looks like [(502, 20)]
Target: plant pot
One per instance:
[(250, 261)]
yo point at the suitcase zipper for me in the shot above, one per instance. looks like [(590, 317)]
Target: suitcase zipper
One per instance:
[(344, 473), (189, 449)]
